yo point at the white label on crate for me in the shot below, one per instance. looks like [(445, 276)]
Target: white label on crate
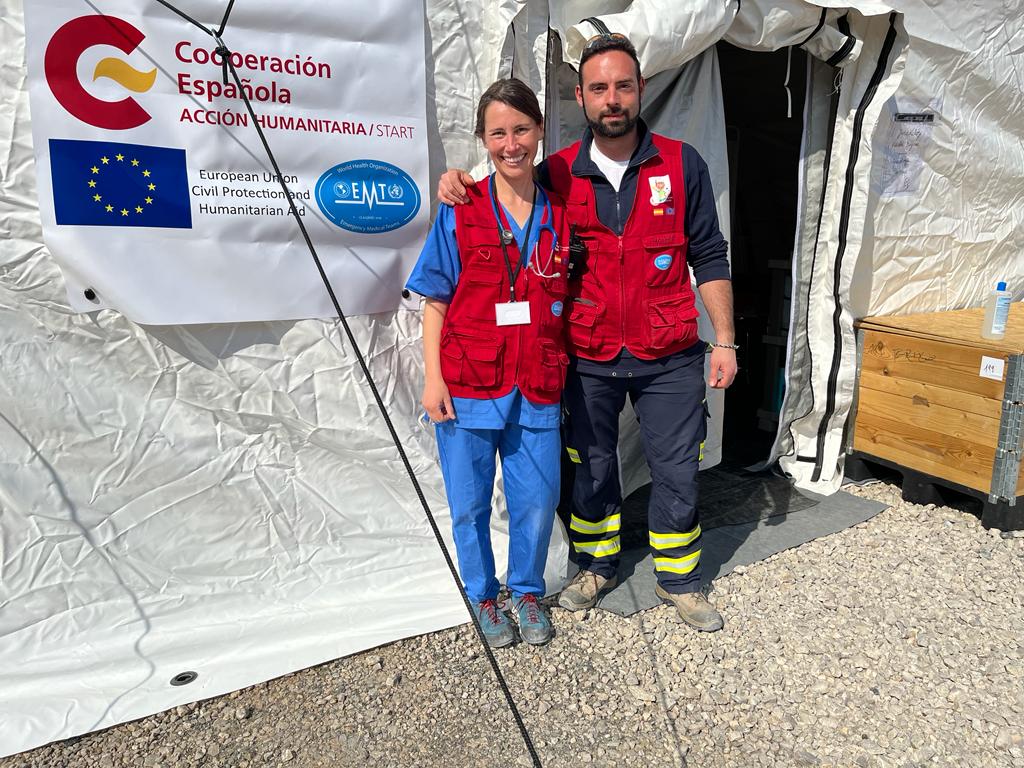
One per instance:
[(992, 368)]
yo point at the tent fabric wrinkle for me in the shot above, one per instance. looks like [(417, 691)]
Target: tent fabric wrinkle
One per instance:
[(666, 34), (762, 26), (958, 227)]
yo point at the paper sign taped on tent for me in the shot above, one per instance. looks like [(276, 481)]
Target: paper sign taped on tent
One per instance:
[(901, 153)]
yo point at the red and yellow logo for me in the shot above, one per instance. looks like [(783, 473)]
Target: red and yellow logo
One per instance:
[(61, 66)]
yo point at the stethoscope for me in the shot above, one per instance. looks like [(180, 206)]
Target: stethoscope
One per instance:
[(534, 263), (506, 237)]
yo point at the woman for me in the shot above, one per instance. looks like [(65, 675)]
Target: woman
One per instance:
[(494, 358)]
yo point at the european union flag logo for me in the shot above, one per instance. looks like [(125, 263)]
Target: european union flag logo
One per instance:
[(105, 184)]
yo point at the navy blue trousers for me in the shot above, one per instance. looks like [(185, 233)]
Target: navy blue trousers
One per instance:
[(672, 414)]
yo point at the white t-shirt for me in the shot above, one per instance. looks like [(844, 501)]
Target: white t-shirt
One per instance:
[(613, 170)]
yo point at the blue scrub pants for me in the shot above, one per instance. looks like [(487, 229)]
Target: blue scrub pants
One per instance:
[(530, 472)]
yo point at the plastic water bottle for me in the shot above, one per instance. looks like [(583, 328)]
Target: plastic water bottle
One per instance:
[(997, 309)]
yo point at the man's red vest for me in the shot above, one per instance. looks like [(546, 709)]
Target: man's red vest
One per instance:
[(479, 358), (635, 291)]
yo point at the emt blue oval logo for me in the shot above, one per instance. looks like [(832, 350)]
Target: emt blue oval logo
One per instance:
[(368, 196), (556, 309), (663, 262)]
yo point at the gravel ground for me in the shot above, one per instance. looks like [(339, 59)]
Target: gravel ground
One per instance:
[(899, 642)]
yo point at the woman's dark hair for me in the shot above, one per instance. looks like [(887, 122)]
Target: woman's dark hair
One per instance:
[(513, 92)]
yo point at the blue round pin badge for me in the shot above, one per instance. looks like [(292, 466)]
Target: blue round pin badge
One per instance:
[(663, 262), (556, 309)]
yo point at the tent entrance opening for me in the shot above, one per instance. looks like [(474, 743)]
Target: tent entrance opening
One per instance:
[(763, 95)]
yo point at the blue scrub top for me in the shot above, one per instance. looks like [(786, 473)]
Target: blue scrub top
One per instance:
[(436, 275)]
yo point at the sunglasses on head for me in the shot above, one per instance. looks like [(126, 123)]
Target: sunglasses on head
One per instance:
[(605, 37)]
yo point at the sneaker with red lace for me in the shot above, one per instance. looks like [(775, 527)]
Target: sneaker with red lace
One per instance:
[(534, 625), (495, 624)]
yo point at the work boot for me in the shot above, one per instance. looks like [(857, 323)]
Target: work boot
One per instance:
[(497, 628), (694, 609), (584, 590), (534, 627)]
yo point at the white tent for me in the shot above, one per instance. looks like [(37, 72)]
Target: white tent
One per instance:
[(224, 499), (908, 220)]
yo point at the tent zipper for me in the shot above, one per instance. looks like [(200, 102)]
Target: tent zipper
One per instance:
[(844, 226)]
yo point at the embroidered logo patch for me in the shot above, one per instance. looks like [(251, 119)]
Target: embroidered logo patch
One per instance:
[(661, 188), (556, 309), (663, 262)]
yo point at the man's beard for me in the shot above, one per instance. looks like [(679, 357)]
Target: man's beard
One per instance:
[(608, 132)]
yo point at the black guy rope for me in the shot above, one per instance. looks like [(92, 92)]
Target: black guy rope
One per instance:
[(225, 54)]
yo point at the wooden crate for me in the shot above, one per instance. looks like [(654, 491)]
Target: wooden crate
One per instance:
[(936, 398)]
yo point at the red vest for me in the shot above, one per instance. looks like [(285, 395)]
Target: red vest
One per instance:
[(479, 358), (635, 291)]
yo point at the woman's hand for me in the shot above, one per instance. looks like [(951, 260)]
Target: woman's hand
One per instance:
[(437, 401)]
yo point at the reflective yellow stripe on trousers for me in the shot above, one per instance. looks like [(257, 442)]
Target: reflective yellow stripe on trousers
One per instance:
[(610, 524), (677, 564), (670, 540), (598, 548)]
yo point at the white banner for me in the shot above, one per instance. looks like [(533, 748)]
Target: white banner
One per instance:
[(157, 197)]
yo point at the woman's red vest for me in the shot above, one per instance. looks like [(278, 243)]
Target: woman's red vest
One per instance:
[(635, 290), (479, 358)]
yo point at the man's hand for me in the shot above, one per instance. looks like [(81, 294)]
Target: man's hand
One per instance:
[(437, 401), (451, 187), (723, 367), (717, 296)]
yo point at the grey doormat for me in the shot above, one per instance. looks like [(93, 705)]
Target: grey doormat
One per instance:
[(773, 519), (727, 495)]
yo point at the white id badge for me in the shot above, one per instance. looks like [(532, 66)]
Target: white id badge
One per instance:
[(512, 313)]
